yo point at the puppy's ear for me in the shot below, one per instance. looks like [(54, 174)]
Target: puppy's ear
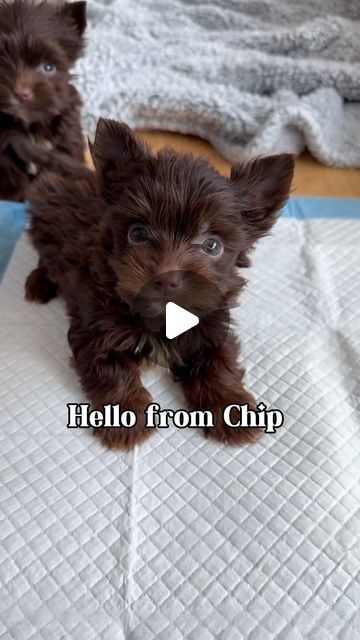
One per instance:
[(262, 186), (76, 11), (114, 152), (72, 16)]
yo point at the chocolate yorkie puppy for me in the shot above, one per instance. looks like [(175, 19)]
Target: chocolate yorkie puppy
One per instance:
[(164, 225), (39, 107)]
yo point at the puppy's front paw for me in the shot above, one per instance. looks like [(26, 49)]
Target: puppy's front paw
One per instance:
[(38, 287), (127, 438), (237, 436)]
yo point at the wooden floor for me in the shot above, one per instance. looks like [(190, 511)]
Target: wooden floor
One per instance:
[(311, 178)]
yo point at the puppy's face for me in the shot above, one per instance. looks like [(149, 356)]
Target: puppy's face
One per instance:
[(175, 224), (38, 45)]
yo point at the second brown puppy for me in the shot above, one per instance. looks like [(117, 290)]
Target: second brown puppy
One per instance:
[(39, 106)]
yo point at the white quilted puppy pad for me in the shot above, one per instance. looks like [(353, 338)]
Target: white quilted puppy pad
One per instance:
[(184, 538)]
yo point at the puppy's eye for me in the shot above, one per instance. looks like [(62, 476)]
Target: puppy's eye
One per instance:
[(212, 246), (47, 68), (138, 235)]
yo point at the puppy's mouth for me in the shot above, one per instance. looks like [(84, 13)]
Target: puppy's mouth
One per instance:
[(29, 113), (35, 115), (150, 305), (186, 289), (150, 308)]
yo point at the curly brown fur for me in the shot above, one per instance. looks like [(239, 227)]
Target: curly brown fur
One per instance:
[(39, 107), (83, 230)]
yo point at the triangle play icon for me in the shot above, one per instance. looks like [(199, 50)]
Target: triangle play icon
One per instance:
[(178, 320)]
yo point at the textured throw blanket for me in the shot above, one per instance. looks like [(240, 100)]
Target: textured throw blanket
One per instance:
[(250, 76)]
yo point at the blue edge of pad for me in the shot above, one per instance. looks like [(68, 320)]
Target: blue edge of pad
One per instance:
[(13, 217)]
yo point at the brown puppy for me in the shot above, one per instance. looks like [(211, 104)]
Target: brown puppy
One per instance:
[(39, 107), (140, 219)]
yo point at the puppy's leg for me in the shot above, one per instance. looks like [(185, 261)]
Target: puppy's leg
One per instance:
[(215, 382), (38, 287), (110, 377)]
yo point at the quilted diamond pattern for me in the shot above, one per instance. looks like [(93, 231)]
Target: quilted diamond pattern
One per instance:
[(184, 538)]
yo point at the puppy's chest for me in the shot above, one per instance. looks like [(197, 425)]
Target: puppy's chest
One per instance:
[(22, 146), (42, 141), (159, 349)]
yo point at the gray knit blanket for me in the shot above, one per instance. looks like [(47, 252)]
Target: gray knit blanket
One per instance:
[(250, 76)]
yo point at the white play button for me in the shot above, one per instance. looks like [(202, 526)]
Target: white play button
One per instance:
[(178, 320)]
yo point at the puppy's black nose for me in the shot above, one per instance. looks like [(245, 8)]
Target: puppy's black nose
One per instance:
[(168, 281)]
